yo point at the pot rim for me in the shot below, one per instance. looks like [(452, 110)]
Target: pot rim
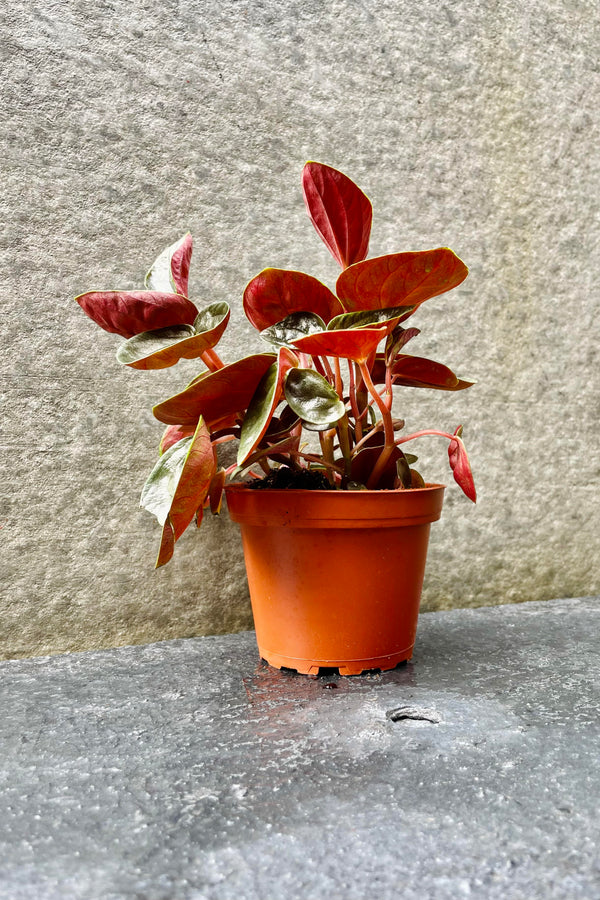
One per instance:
[(303, 508)]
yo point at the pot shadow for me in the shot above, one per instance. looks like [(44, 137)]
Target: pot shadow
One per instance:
[(276, 689)]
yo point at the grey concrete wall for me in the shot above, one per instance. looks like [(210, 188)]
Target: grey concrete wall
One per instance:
[(470, 124)]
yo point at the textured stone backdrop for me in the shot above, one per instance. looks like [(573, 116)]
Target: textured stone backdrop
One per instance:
[(469, 124)]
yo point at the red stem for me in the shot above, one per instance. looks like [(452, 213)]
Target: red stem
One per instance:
[(212, 360)]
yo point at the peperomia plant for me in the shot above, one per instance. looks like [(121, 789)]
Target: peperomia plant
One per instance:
[(331, 368)]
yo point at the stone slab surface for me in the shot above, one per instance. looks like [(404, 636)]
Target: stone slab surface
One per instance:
[(469, 124), (188, 770)]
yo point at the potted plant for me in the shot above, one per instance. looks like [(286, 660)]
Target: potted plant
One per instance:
[(334, 516)]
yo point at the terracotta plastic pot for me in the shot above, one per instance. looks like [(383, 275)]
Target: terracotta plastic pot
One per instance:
[(335, 577)]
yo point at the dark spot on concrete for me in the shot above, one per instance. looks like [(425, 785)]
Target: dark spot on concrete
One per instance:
[(413, 712)]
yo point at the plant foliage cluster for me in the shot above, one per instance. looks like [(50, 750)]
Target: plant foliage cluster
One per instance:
[(331, 366)]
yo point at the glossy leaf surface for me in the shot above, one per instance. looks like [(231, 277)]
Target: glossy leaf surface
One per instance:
[(178, 485), (356, 344), (461, 468), (164, 347), (312, 397), (275, 293), (170, 271), (369, 317), (217, 395), (212, 321), (400, 279), (264, 403), (339, 210), (294, 326), (132, 312)]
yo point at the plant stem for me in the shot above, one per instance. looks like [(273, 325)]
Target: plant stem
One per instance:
[(354, 402), (388, 427), (344, 435), (212, 359), (444, 434), (339, 384), (326, 439), (328, 369), (311, 457)]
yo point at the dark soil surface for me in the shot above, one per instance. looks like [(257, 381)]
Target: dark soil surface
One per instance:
[(285, 478)]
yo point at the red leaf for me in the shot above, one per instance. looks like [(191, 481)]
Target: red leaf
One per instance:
[(400, 279), (339, 210), (461, 468), (131, 312), (416, 371), (180, 265), (174, 433), (274, 294), (195, 479), (364, 463), (217, 395), (352, 343)]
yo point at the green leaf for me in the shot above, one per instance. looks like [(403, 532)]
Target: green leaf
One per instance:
[(160, 487), (312, 426), (294, 326), (163, 347), (364, 318), (312, 397), (211, 317), (158, 349), (264, 402)]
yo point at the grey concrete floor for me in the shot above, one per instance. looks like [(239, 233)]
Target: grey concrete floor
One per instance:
[(188, 769)]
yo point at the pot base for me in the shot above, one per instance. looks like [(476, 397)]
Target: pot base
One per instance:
[(344, 666)]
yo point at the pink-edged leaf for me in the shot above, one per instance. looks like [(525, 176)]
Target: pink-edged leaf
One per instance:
[(218, 395), (164, 347), (170, 271), (339, 210), (370, 318), (274, 294), (355, 343), (265, 401), (131, 312), (461, 467), (174, 433), (400, 279), (397, 340), (178, 484)]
